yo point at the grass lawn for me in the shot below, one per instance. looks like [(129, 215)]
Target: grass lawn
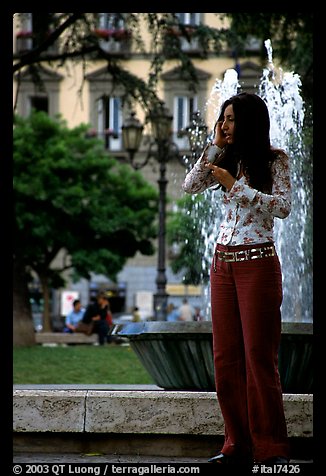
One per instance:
[(84, 364)]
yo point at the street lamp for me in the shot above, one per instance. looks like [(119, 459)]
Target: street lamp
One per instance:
[(132, 131), (161, 124)]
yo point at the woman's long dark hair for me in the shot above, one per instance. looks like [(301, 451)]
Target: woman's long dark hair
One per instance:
[(251, 142)]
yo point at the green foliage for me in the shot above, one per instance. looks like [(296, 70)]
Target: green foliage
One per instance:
[(75, 39), (69, 194), (184, 230), (291, 34), (80, 364)]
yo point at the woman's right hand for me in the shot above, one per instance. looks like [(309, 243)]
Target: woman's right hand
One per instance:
[(219, 138)]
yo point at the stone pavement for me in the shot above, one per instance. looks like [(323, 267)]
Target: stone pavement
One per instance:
[(57, 458), (109, 464), (100, 458)]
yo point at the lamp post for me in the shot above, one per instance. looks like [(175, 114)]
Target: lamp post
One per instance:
[(161, 122), (132, 129)]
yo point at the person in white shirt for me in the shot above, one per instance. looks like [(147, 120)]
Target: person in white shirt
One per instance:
[(186, 312), (246, 280)]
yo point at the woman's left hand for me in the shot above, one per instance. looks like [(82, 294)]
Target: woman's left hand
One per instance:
[(223, 176)]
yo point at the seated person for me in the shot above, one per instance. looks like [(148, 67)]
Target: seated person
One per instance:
[(75, 316), (173, 313), (136, 315)]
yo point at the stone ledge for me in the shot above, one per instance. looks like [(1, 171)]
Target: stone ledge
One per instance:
[(65, 338), (138, 412)]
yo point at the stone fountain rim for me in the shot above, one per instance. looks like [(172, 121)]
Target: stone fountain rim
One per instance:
[(186, 327)]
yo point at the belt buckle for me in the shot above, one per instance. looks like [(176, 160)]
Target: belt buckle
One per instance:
[(223, 256), (268, 251), (265, 252), (244, 252), (255, 250)]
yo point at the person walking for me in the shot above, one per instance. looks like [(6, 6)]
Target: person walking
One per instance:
[(246, 279)]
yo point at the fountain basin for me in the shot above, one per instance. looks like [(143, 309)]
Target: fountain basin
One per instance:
[(179, 355)]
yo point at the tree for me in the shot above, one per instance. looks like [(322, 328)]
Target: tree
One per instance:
[(76, 38), (70, 195), (185, 234), (291, 34)]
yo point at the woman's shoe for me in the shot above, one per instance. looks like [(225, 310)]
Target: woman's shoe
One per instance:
[(221, 458), (275, 460)]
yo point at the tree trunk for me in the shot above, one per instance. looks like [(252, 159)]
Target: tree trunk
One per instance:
[(23, 328), (47, 326)]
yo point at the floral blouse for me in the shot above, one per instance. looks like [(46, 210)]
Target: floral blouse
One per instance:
[(249, 213)]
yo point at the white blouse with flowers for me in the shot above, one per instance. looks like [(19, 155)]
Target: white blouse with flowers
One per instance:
[(249, 213)]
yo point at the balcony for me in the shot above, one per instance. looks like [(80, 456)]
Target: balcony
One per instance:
[(185, 35), (114, 41), (24, 41)]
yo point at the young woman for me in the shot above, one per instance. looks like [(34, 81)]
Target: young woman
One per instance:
[(246, 280)]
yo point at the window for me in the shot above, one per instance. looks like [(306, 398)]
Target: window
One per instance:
[(189, 19), (113, 35), (109, 121), (24, 38), (183, 108), (106, 108), (40, 103), (182, 101), (35, 27), (111, 21), (249, 74), (43, 95)]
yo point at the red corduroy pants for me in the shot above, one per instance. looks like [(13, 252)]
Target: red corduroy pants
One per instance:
[(246, 320)]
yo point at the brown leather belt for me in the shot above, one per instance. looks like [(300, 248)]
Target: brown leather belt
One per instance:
[(245, 255)]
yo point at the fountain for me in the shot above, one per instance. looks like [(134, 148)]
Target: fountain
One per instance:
[(281, 92), (178, 355)]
